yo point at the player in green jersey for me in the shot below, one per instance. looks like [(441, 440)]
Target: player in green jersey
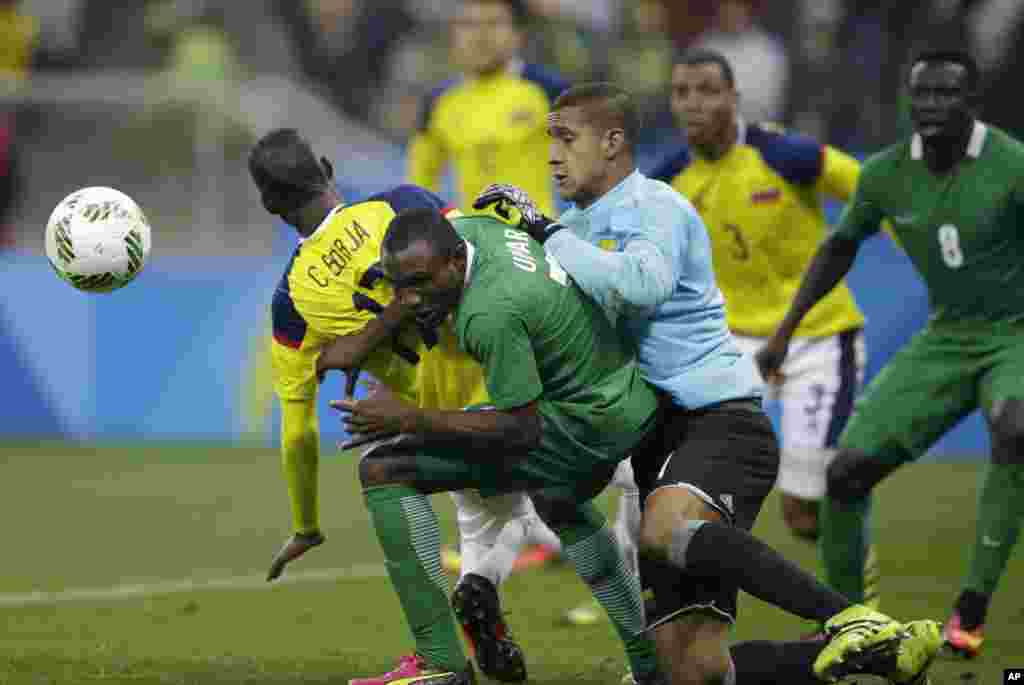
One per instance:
[(568, 405), (954, 192)]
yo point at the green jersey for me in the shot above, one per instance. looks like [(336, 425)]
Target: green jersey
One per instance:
[(539, 338), (963, 230)]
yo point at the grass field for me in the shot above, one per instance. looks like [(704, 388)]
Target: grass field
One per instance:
[(145, 565)]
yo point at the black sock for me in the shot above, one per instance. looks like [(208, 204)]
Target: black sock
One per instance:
[(717, 549), (763, 661), (972, 607)]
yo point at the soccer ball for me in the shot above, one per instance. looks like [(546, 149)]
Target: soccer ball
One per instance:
[(97, 239)]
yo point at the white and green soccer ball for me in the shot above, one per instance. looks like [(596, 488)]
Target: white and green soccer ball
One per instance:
[(97, 239)]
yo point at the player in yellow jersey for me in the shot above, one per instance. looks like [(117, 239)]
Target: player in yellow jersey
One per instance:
[(487, 123), (333, 290), (759, 191)]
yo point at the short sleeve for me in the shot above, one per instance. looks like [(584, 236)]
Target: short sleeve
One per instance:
[(796, 158), (501, 343)]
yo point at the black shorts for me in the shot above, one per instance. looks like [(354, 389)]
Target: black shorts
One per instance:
[(726, 454)]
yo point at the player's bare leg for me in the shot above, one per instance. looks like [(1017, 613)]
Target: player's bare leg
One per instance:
[(800, 515)]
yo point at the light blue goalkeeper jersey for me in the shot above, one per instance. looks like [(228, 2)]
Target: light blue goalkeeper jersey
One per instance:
[(643, 253)]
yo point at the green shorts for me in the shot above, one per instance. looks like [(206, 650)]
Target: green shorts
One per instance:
[(560, 467), (493, 475), (943, 374)]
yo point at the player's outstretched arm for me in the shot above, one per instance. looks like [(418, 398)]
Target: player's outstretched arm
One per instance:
[(500, 342), (638, 279), (348, 352), (484, 433), (830, 265), (641, 274), (634, 281)]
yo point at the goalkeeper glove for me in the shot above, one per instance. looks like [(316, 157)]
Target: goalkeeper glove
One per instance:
[(533, 221)]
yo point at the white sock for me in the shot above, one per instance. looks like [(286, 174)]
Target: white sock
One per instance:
[(538, 533), (627, 520), (491, 532)]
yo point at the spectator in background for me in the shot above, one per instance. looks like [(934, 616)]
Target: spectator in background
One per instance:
[(346, 45), (489, 122), (760, 60), (997, 32), (643, 59), (574, 36), (20, 34)]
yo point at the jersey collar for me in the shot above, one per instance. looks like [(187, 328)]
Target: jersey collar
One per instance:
[(974, 146), (470, 255), (741, 138), (514, 67), (741, 131), (323, 223), (610, 198)]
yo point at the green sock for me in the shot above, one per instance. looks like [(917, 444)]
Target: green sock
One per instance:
[(599, 562), (411, 540), (1000, 510), (843, 545)]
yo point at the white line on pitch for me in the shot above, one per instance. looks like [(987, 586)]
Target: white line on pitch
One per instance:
[(168, 587)]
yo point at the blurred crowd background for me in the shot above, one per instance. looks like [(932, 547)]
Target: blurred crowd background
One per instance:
[(162, 98)]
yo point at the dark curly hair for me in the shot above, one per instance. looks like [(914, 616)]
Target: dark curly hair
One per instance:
[(286, 171)]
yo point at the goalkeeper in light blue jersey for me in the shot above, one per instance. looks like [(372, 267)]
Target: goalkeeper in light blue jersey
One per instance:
[(640, 249)]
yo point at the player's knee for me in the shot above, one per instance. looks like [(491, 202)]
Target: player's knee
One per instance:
[(801, 517), (376, 471), (372, 472), (1007, 425), (713, 671), (655, 538), (853, 474), (704, 662), (667, 512), (701, 673)]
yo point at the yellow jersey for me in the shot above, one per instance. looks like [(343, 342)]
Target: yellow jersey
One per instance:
[(491, 129), (762, 204), (333, 286)]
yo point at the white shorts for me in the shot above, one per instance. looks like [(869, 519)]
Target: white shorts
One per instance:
[(821, 378)]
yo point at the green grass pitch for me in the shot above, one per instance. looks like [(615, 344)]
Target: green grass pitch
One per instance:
[(125, 565)]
